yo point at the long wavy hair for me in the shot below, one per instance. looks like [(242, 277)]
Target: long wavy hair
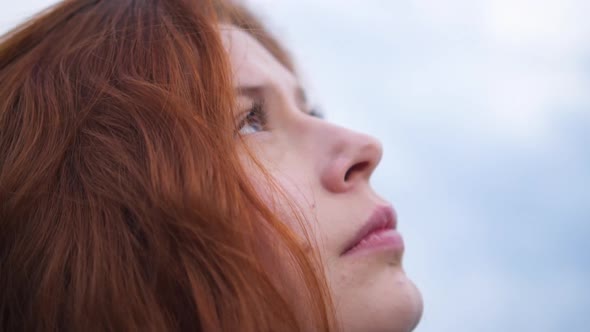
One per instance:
[(123, 202)]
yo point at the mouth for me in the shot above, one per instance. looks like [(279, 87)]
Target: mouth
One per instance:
[(377, 233)]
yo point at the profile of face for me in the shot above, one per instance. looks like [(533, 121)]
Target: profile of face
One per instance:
[(325, 170)]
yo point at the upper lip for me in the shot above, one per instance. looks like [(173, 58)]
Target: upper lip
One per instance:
[(383, 217)]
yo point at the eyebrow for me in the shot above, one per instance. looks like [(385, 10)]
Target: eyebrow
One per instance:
[(258, 91)]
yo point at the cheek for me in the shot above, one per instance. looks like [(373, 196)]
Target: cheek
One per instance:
[(290, 198), (293, 192), (285, 185), (289, 193)]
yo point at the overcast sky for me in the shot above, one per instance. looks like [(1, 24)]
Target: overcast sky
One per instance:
[(483, 107)]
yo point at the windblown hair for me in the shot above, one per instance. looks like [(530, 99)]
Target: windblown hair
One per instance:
[(123, 203)]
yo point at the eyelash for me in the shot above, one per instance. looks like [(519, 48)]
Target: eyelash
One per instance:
[(257, 115), (316, 113)]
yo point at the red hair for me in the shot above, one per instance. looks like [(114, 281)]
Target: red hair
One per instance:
[(123, 204)]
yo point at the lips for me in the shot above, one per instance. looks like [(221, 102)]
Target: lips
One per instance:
[(375, 231)]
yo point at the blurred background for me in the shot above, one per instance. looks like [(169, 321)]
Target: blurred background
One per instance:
[(483, 107)]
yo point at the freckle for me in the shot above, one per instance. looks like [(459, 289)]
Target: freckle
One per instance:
[(307, 248)]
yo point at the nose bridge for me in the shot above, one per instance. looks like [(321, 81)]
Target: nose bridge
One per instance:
[(349, 158)]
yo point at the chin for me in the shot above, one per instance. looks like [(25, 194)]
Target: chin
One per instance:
[(388, 303), (406, 307)]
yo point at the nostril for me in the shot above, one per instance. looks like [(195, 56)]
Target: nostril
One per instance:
[(358, 167)]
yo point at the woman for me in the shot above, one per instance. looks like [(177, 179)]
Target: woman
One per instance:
[(161, 170)]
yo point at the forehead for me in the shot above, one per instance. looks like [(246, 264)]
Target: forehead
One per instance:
[(252, 64)]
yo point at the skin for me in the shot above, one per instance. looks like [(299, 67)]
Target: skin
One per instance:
[(310, 158)]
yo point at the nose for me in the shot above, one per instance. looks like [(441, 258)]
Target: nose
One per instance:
[(350, 159)]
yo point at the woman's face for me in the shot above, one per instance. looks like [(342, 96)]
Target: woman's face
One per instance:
[(326, 169)]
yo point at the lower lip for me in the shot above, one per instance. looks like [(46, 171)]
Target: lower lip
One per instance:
[(384, 240)]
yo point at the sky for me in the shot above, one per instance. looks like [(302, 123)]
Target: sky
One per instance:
[(483, 109)]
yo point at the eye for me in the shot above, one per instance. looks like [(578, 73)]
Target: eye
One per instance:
[(316, 113), (254, 121)]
